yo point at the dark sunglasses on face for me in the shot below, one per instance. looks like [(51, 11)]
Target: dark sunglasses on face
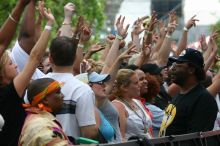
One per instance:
[(99, 83)]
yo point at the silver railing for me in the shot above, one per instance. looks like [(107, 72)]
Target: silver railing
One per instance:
[(209, 138)]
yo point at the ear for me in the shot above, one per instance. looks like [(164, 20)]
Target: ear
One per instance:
[(90, 84), (123, 88), (50, 59), (45, 101)]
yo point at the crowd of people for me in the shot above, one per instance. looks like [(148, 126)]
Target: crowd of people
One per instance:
[(146, 87)]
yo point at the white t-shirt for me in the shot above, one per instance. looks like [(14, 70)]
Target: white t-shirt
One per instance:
[(79, 102), (20, 58)]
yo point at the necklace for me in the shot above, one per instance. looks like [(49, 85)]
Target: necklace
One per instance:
[(131, 107)]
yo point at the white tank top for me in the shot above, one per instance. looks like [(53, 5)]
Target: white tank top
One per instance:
[(136, 121), (217, 121)]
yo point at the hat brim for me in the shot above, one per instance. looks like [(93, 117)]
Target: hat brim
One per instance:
[(173, 59), (101, 78)]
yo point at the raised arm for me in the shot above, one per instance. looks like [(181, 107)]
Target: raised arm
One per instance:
[(148, 33), (114, 51), (137, 30), (66, 29), (93, 49), (26, 36), (214, 50), (214, 88), (22, 80), (183, 41), (85, 35), (109, 41), (8, 29), (163, 53), (114, 68), (144, 55)]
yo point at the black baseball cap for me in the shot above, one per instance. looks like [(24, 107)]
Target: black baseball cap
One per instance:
[(191, 56), (153, 69)]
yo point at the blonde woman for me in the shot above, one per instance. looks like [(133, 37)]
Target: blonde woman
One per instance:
[(134, 121), (13, 85)]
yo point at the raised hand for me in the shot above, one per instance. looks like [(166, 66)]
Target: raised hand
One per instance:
[(137, 26), (86, 33), (171, 27), (77, 31), (191, 22), (212, 41), (120, 28), (110, 39), (69, 9), (96, 47), (146, 50), (46, 13), (126, 53), (152, 22), (172, 17), (203, 43), (162, 29)]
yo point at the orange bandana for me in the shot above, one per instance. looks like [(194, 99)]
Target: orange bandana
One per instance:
[(36, 99)]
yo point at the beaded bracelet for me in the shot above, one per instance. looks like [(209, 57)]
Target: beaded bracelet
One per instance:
[(12, 18)]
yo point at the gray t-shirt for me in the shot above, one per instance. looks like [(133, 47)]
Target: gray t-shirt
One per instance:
[(112, 115)]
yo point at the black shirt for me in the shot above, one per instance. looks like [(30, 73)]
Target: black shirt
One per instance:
[(192, 112), (13, 113), (162, 99)]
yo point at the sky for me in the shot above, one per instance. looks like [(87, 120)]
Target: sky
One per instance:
[(207, 11)]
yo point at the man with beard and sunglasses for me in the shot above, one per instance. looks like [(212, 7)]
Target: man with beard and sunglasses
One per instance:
[(193, 109)]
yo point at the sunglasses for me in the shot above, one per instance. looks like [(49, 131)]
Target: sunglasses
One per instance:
[(99, 83)]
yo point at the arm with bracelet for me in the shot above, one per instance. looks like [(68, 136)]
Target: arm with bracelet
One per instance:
[(8, 29), (183, 41), (66, 28), (150, 29), (114, 51), (163, 53)]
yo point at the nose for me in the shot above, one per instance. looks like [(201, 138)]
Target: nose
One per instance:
[(61, 95), (173, 67), (146, 82), (15, 65)]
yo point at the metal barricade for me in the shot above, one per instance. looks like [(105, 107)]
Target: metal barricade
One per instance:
[(209, 138)]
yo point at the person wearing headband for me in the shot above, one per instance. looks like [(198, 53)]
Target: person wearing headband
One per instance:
[(41, 127)]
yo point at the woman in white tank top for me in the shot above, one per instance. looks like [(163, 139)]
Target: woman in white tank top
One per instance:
[(133, 119)]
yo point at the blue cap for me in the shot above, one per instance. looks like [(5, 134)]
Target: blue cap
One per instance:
[(95, 77)]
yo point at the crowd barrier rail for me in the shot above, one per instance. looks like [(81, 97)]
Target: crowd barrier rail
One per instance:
[(209, 138)]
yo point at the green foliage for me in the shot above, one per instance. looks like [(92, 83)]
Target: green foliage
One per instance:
[(214, 28), (92, 10)]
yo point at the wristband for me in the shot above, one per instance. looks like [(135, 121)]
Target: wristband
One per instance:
[(119, 37), (168, 36), (80, 46), (64, 23), (185, 29), (15, 21), (149, 32), (48, 27)]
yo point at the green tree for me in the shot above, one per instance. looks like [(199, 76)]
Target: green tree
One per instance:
[(92, 10)]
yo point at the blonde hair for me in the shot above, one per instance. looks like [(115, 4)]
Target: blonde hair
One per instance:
[(3, 61), (123, 78)]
